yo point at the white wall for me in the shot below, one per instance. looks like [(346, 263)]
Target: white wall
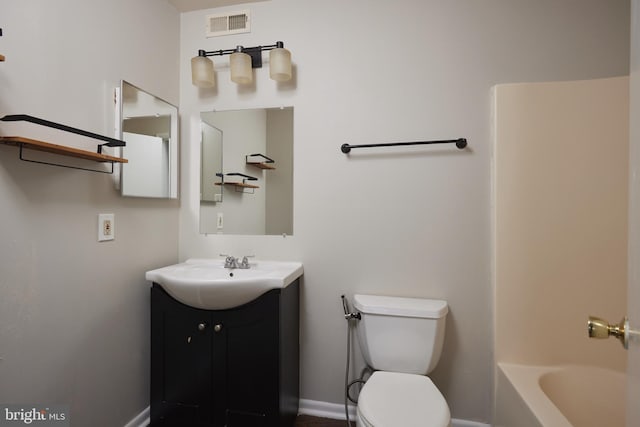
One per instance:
[(412, 222), (74, 313)]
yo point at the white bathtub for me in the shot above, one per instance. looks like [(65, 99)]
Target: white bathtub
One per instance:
[(559, 396)]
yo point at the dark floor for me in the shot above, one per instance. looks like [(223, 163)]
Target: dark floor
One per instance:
[(308, 421)]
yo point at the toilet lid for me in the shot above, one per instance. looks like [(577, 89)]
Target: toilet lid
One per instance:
[(391, 399)]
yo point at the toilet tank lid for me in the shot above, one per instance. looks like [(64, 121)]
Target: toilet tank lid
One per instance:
[(400, 306)]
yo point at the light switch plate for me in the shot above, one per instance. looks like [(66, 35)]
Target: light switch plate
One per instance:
[(106, 227)]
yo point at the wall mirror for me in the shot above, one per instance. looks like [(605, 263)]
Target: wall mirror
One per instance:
[(149, 125), (246, 176)]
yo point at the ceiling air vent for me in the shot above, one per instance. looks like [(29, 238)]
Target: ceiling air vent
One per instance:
[(228, 23)]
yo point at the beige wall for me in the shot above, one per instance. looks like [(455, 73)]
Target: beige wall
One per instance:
[(74, 313), (408, 222), (561, 191), (633, 300)]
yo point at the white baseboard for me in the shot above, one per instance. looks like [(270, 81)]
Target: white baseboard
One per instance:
[(141, 420), (465, 423), (336, 411), (314, 408)]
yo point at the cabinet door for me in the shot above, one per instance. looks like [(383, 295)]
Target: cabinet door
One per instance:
[(181, 347), (246, 361)]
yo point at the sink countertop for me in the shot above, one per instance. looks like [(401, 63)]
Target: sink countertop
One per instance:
[(207, 284)]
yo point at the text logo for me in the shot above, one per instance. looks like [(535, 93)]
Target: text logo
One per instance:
[(34, 415)]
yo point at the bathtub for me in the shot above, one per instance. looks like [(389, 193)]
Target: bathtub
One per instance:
[(559, 396)]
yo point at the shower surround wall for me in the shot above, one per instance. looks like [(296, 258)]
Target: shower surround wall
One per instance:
[(561, 189), (399, 221)]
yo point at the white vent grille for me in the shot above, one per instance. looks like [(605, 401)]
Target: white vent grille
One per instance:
[(218, 24), (228, 23)]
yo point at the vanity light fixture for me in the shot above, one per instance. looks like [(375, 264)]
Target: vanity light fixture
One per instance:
[(242, 61)]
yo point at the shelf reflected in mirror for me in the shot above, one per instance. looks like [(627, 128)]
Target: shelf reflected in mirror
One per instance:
[(256, 143)]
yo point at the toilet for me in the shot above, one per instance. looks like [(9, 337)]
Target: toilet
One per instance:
[(401, 339)]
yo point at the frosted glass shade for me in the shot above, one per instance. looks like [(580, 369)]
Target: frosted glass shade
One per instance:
[(241, 72), (202, 72), (280, 64)]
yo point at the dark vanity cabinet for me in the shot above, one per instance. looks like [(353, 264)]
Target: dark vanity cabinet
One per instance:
[(225, 368)]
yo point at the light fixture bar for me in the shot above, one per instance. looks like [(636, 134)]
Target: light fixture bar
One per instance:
[(241, 62), (254, 52)]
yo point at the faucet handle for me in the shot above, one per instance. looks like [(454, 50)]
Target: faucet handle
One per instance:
[(600, 328), (245, 261), (230, 261)]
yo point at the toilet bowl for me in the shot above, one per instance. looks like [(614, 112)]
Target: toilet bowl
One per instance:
[(397, 399), (401, 338)]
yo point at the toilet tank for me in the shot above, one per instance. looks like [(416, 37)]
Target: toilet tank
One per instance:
[(401, 334)]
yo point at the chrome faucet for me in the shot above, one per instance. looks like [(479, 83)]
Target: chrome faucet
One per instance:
[(230, 261), (233, 262), (244, 264)]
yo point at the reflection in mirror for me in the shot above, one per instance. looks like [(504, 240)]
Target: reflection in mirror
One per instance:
[(256, 143), (149, 125), (210, 162)]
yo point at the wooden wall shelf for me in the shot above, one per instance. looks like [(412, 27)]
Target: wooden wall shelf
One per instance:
[(34, 144), (238, 184), (261, 165)]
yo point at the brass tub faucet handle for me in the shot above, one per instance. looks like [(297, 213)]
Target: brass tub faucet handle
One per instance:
[(600, 328)]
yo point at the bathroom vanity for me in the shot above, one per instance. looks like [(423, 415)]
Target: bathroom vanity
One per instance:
[(231, 367)]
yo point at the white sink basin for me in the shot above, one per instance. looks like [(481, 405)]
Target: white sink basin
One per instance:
[(205, 283)]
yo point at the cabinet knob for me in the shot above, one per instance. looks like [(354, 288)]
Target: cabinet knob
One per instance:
[(217, 327), (202, 326)]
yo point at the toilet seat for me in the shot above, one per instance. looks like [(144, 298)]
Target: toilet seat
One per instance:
[(392, 399)]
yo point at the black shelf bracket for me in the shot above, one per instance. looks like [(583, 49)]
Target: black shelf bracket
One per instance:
[(24, 159), (109, 142), (266, 159), (239, 187), (235, 174)]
